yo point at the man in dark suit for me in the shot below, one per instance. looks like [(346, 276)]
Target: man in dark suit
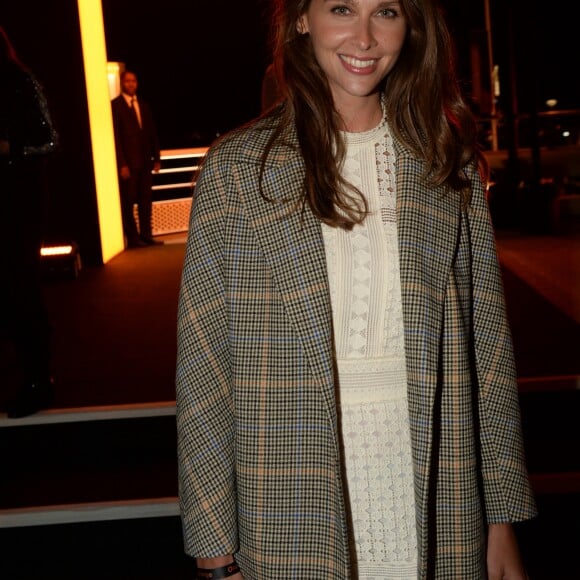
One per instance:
[(138, 153)]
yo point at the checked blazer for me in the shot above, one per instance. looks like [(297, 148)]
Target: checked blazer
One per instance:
[(259, 443)]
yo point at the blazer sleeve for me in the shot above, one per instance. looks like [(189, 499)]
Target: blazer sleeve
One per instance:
[(507, 491), (205, 414)]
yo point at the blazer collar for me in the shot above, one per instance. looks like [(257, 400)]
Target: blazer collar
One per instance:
[(428, 225)]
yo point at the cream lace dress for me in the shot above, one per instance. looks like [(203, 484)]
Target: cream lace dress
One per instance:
[(363, 270)]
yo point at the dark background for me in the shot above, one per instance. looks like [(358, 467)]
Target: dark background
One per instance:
[(46, 36), (200, 62), (200, 65)]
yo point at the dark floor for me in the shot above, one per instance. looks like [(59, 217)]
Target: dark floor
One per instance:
[(114, 335), (141, 549)]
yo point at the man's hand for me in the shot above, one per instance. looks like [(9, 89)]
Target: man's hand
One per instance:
[(503, 556), (125, 173), (156, 167)]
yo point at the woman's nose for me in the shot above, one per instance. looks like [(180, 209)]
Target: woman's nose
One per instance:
[(364, 36)]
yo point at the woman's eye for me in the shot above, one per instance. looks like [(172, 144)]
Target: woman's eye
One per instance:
[(340, 10), (388, 13)]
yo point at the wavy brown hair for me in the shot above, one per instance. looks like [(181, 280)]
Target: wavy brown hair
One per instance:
[(423, 101)]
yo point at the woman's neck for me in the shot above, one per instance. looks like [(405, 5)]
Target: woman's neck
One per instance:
[(360, 114)]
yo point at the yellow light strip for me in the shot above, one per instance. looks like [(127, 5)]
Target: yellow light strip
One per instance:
[(101, 122)]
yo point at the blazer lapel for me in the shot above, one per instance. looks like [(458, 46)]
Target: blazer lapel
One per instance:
[(291, 241), (428, 222)]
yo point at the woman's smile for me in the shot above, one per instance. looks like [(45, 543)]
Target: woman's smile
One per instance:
[(358, 66)]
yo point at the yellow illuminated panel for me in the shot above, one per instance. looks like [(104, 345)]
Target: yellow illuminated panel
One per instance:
[(101, 122)]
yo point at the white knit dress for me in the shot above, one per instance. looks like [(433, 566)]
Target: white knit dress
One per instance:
[(363, 270)]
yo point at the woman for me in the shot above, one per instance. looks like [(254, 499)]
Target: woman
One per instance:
[(347, 403)]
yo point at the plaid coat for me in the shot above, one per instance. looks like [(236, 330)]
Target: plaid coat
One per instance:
[(258, 435)]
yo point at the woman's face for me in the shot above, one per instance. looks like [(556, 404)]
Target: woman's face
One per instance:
[(356, 43)]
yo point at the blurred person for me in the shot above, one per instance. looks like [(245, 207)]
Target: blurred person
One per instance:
[(138, 153), (347, 402), (27, 138)]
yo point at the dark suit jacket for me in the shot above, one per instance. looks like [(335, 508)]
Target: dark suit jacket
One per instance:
[(136, 147)]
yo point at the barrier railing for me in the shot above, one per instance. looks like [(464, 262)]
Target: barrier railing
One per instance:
[(173, 189), (558, 132)]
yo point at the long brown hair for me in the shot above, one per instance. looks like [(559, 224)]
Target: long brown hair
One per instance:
[(423, 102)]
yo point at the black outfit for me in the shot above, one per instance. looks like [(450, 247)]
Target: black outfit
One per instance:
[(26, 124), (137, 148)]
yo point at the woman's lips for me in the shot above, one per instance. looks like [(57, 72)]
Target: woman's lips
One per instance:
[(358, 65)]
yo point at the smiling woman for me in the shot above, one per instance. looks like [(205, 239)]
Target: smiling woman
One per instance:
[(356, 45), (345, 374)]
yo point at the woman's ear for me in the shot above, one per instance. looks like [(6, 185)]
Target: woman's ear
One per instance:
[(302, 25)]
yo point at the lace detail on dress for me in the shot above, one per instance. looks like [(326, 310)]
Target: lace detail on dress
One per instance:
[(372, 380), (363, 273), (378, 466), (385, 154), (359, 289)]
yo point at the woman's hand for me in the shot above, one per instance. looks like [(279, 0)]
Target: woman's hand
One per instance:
[(503, 555)]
